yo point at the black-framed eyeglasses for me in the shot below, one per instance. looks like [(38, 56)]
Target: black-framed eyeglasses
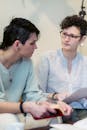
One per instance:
[(72, 36)]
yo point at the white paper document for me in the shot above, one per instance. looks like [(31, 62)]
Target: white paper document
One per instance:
[(81, 93), (79, 125), (64, 127)]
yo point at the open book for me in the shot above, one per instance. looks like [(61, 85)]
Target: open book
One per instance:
[(81, 93), (79, 125), (59, 112)]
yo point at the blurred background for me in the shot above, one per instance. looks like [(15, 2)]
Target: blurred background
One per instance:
[(46, 15)]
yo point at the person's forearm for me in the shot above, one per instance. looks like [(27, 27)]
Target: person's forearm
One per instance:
[(9, 107)]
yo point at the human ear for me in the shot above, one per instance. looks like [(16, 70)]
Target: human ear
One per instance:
[(16, 45), (82, 40)]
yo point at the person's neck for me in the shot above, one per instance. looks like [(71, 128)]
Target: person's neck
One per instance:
[(8, 57), (69, 55)]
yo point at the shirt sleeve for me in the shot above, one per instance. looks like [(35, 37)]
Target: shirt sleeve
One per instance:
[(2, 91), (42, 73), (32, 91)]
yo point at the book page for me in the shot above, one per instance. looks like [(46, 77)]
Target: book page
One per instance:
[(81, 124), (65, 127), (81, 93)]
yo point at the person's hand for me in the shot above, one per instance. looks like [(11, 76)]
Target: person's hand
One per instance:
[(39, 109), (67, 109), (61, 96)]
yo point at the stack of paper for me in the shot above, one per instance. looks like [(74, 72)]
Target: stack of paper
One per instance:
[(79, 94), (79, 125), (65, 127)]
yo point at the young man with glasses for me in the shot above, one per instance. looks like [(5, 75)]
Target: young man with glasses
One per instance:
[(65, 70)]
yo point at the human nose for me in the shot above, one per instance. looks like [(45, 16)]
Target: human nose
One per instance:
[(35, 46), (67, 38)]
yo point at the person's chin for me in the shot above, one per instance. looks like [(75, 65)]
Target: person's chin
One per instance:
[(30, 55), (66, 48)]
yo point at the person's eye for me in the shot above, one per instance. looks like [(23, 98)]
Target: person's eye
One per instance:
[(72, 36), (65, 34), (32, 43)]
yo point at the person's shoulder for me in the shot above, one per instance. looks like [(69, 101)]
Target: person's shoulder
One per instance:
[(84, 59), (50, 54)]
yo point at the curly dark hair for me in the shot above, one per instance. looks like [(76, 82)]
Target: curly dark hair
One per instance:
[(77, 21), (18, 29)]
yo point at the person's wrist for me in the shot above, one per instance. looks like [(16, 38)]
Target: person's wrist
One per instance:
[(54, 96), (50, 96), (21, 108)]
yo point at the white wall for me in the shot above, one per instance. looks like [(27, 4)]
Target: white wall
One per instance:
[(45, 14)]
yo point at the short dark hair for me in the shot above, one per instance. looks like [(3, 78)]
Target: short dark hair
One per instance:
[(18, 29), (77, 21)]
